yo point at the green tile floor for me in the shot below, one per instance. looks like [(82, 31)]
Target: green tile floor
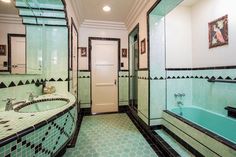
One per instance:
[(174, 144), (112, 135)]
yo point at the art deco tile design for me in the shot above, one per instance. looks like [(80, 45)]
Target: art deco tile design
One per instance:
[(110, 136)]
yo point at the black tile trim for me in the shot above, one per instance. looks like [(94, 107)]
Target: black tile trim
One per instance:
[(202, 68), (8, 139), (205, 131), (182, 142), (146, 132), (165, 146), (73, 141)]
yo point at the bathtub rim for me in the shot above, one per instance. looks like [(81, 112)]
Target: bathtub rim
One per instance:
[(203, 130)]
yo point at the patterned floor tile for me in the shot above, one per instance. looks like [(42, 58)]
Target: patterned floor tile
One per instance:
[(111, 135)]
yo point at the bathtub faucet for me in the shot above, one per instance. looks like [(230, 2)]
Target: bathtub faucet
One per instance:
[(179, 95), (180, 104), (9, 104)]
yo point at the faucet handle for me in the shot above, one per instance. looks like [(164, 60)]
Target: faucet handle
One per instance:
[(8, 99)]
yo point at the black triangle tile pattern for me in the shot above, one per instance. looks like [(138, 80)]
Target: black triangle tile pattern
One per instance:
[(20, 83), (52, 80), (2, 85), (12, 84), (59, 79), (27, 82)]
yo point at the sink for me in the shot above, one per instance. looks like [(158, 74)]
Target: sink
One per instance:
[(41, 105)]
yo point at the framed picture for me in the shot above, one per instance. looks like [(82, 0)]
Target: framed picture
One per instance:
[(83, 51), (124, 53), (218, 32), (3, 50), (143, 46)]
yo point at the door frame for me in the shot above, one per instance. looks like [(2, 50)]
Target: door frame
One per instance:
[(136, 28), (90, 66), (73, 27)]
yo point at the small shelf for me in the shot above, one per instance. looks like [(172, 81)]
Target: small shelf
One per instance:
[(231, 111)]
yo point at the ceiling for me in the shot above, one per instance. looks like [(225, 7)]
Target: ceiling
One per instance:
[(92, 9), (8, 8), (189, 3)]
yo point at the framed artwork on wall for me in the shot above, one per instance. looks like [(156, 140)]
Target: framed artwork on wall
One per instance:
[(143, 46), (83, 51), (3, 50), (124, 53), (218, 32)]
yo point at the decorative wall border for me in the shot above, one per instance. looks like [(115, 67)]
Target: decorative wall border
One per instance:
[(28, 82)]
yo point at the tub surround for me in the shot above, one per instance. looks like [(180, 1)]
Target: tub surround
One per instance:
[(193, 133)]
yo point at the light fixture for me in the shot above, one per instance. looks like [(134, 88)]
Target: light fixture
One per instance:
[(6, 1), (106, 8)]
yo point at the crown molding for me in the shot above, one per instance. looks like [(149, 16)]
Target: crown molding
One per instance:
[(10, 19), (135, 12), (103, 25), (78, 9)]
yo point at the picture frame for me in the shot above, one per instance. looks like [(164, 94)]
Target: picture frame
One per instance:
[(124, 53), (143, 46), (3, 49), (83, 51), (218, 32)]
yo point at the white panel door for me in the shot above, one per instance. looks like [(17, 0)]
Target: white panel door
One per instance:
[(104, 76), (18, 63)]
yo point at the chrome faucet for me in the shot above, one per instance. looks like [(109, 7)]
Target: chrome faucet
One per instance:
[(9, 104), (31, 96), (180, 104), (179, 95)]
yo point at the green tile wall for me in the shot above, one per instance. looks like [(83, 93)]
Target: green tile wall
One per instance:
[(84, 89)]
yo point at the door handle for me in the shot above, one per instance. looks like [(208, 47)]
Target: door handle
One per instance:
[(115, 82)]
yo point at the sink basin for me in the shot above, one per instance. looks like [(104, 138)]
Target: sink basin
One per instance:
[(42, 105)]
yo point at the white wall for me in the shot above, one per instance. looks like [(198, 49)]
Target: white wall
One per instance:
[(6, 28), (85, 33), (204, 12), (142, 20), (179, 38)]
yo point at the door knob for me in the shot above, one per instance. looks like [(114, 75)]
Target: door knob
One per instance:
[(115, 82)]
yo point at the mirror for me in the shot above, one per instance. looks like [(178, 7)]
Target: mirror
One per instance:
[(18, 55)]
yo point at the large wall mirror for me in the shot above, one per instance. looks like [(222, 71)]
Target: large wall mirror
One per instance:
[(17, 54)]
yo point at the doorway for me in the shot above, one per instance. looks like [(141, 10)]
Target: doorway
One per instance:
[(104, 54), (134, 66)]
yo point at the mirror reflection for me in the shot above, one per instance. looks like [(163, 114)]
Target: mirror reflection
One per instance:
[(15, 56)]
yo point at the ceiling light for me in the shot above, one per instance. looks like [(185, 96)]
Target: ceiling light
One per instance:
[(106, 8), (6, 1)]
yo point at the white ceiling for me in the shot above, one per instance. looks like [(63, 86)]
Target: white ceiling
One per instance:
[(8, 8), (189, 3), (92, 9)]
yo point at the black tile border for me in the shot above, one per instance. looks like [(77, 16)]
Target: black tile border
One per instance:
[(166, 146), (207, 132), (28, 82), (203, 68), (146, 132), (182, 142)]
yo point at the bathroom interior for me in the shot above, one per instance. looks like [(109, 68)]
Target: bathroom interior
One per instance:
[(140, 78)]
